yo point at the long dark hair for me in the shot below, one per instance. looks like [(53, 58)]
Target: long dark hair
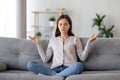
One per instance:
[(63, 16)]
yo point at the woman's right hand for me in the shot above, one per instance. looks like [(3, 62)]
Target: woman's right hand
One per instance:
[(35, 39)]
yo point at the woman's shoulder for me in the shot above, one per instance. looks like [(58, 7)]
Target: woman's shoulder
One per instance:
[(54, 38), (75, 37)]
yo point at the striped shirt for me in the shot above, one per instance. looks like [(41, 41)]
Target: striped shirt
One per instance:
[(64, 54)]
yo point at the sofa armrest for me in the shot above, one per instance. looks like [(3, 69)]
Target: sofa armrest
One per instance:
[(3, 66)]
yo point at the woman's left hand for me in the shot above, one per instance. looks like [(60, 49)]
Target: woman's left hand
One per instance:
[(92, 38)]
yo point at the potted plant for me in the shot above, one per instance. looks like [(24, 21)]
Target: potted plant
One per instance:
[(38, 34), (103, 30), (52, 21)]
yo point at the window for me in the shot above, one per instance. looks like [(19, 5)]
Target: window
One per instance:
[(8, 18)]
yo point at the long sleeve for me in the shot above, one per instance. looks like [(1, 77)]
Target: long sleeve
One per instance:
[(45, 56), (82, 54)]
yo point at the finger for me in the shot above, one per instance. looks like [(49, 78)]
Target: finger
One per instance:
[(96, 36), (92, 35), (30, 37)]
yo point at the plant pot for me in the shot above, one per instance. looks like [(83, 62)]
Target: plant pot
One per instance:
[(52, 23)]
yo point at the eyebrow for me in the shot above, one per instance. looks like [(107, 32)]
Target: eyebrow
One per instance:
[(64, 23)]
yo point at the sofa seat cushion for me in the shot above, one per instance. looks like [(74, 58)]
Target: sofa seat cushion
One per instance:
[(96, 75), (3, 66), (17, 72), (25, 75), (100, 72)]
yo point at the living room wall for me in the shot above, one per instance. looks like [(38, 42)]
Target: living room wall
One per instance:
[(81, 12)]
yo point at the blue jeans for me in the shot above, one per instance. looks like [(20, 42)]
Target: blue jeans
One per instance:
[(62, 71)]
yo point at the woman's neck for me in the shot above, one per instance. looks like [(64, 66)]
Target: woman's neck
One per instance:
[(64, 36)]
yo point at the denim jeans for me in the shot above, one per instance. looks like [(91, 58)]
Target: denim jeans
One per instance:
[(63, 71)]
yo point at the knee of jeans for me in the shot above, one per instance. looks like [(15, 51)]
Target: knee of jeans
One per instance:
[(79, 65), (30, 65)]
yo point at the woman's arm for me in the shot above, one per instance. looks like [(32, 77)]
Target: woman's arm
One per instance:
[(44, 56), (83, 54)]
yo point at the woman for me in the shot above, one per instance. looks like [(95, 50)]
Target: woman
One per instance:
[(64, 48)]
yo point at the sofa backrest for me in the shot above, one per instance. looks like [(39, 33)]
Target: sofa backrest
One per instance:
[(17, 52), (104, 54)]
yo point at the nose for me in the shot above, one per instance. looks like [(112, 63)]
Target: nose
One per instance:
[(63, 26)]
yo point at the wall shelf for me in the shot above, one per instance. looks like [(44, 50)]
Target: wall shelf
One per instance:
[(36, 25), (38, 12)]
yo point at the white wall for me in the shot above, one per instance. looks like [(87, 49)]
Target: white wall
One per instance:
[(81, 12)]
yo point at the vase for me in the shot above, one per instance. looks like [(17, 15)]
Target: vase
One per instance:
[(52, 23)]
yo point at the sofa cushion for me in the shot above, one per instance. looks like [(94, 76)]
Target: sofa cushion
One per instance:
[(102, 76), (14, 76), (3, 65), (101, 72), (17, 52), (104, 54)]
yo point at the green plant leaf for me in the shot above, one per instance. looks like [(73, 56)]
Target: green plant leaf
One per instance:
[(111, 34), (38, 34), (109, 29), (98, 16), (103, 31), (98, 20), (102, 17), (52, 18)]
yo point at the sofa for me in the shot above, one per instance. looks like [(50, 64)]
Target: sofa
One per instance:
[(103, 62)]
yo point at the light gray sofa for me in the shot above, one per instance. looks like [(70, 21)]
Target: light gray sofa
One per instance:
[(103, 62)]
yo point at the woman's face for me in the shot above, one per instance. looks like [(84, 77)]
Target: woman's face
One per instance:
[(63, 26)]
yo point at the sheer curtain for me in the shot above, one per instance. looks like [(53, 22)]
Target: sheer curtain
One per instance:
[(21, 19), (13, 18), (8, 18)]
